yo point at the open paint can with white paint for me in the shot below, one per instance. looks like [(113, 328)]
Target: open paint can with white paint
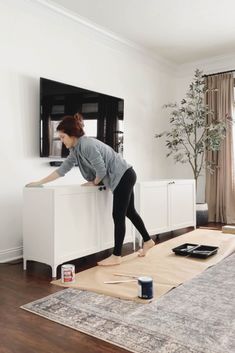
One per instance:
[(67, 273)]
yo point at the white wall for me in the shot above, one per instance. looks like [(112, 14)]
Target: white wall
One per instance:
[(34, 42)]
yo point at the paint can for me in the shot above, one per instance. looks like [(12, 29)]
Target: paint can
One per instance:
[(145, 287), (67, 273)]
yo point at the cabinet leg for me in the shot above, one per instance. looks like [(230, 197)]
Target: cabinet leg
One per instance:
[(140, 241), (133, 232), (24, 264), (54, 271)]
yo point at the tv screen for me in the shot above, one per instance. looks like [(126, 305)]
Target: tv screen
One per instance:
[(103, 116)]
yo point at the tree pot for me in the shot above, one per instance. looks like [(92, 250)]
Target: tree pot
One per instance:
[(201, 214)]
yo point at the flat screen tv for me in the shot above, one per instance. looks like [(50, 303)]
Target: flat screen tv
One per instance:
[(103, 116)]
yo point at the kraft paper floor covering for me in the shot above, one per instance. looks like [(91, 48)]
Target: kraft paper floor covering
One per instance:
[(167, 269)]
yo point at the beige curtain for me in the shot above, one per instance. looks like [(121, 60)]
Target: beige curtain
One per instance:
[(220, 186)]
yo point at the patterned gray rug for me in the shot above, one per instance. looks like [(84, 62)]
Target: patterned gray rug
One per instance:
[(197, 317)]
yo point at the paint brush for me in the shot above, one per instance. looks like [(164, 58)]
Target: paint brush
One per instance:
[(125, 275), (124, 281)]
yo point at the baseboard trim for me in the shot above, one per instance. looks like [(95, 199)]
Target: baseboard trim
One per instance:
[(11, 254)]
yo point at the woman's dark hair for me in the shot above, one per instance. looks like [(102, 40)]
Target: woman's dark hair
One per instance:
[(72, 125)]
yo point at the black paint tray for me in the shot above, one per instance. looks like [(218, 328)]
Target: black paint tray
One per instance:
[(203, 251), (195, 250)]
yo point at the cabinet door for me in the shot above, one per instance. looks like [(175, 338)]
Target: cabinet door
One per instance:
[(38, 225), (105, 218), (76, 230), (182, 203), (152, 204)]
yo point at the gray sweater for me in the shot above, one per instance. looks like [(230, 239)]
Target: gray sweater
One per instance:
[(95, 159)]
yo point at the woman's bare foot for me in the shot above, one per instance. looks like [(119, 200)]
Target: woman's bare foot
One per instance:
[(147, 245), (110, 261)]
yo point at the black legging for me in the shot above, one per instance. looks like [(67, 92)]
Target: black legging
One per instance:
[(123, 206)]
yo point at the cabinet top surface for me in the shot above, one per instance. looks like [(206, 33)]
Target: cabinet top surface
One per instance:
[(62, 188), (79, 188), (165, 181)]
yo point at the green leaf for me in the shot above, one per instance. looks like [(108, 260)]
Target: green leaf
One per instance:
[(190, 134)]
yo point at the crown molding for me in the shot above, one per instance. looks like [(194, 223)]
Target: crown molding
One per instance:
[(107, 34), (208, 65)]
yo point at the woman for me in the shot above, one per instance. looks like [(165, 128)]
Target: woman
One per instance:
[(98, 163)]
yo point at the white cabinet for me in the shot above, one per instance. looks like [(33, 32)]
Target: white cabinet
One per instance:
[(182, 204), (61, 223), (166, 205)]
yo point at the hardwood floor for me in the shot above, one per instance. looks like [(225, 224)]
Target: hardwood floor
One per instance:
[(23, 332)]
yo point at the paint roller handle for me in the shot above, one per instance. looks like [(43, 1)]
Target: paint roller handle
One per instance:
[(125, 275), (124, 281)]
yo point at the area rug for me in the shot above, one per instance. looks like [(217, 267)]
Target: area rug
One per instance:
[(167, 269), (196, 317)]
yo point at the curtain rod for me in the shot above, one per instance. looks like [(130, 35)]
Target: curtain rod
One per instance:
[(219, 73)]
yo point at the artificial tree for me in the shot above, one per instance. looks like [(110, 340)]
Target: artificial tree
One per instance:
[(194, 128)]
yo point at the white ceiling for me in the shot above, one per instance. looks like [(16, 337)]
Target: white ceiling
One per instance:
[(179, 30)]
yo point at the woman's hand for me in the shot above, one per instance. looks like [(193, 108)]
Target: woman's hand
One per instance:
[(88, 183), (34, 184)]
